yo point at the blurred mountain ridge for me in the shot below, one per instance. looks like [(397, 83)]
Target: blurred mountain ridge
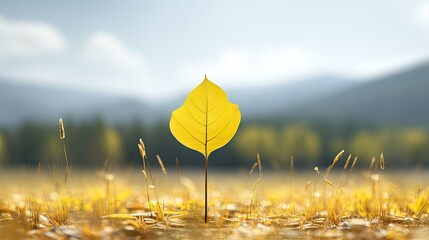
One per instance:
[(397, 98), (26, 102)]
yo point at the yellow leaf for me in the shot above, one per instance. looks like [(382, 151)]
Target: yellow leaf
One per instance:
[(207, 120)]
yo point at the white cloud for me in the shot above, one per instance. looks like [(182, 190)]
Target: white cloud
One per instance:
[(241, 68), (28, 39), (107, 50), (233, 67), (111, 66)]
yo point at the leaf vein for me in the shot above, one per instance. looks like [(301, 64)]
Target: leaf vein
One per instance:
[(187, 131), (226, 125)]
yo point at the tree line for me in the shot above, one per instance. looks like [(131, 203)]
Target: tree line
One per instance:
[(95, 142)]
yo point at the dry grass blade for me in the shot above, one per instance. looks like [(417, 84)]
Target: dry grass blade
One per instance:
[(328, 182), (290, 175), (259, 164), (143, 156), (142, 144), (337, 157), (252, 201), (153, 186), (161, 164), (382, 161), (372, 166), (251, 172), (142, 148), (109, 193), (423, 209), (347, 162), (178, 170), (353, 165), (62, 138)]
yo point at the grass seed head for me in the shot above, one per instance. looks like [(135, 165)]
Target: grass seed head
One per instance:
[(347, 162), (337, 157), (142, 151), (61, 128), (161, 164), (142, 148), (141, 143), (334, 162), (382, 161)]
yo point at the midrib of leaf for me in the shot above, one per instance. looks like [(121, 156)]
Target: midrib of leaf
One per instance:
[(207, 118), (206, 160)]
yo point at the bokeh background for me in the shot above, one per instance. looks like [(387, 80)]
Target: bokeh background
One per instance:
[(311, 78)]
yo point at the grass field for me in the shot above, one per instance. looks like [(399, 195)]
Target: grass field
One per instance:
[(251, 203)]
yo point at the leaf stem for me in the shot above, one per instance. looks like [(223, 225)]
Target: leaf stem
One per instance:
[(205, 189), (206, 158)]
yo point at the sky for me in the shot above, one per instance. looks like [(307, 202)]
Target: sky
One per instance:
[(153, 50)]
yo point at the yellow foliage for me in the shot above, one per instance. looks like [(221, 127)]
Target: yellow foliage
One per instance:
[(207, 120), (296, 139), (407, 144), (300, 140), (112, 142), (256, 139), (2, 148)]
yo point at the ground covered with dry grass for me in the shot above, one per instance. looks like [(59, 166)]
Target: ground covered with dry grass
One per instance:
[(335, 203)]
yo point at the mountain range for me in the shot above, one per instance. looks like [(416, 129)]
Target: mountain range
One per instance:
[(397, 98)]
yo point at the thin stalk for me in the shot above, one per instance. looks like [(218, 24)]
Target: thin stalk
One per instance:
[(62, 137), (160, 210), (142, 151), (178, 170), (67, 163), (290, 176), (164, 170), (206, 161)]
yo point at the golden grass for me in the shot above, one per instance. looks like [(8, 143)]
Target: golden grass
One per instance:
[(334, 204), (93, 205)]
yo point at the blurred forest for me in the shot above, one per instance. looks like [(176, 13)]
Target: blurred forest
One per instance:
[(92, 143)]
